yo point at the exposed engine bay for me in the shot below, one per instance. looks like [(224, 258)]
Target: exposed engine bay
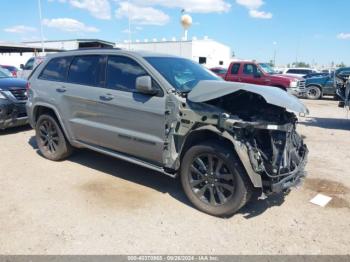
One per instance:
[(259, 122), (342, 81), (275, 149)]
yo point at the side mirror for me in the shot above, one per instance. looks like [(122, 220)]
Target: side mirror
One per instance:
[(21, 66), (144, 85)]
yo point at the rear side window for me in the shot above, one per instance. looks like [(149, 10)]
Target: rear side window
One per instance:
[(87, 70), (122, 73), (235, 69), (56, 69)]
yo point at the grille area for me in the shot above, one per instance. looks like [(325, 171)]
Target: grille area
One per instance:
[(19, 94), (301, 84)]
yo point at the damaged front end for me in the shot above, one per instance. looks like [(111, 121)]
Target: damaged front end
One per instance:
[(259, 123), (275, 151)]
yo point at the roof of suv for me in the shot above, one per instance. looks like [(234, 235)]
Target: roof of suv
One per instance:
[(108, 51)]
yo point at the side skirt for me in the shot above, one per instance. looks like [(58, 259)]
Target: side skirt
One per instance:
[(125, 157)]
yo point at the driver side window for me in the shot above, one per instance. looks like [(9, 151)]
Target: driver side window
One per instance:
[(249, 69), (122, 73)]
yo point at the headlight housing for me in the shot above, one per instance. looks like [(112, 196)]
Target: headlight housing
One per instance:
[(294, 83)]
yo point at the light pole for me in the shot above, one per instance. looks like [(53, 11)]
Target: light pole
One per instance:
[(274, 53), (41, 28)]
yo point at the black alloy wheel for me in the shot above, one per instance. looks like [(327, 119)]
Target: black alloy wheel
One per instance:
[(214, 179), (211, 180), (49, 136), (50, 139)]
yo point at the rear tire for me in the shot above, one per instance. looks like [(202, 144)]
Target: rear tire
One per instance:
[(220, 186), (50, 139), (314, 92)]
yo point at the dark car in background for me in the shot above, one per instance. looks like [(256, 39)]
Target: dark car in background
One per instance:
[(13, 97), (316, 75), (14, 70), (319, 86)]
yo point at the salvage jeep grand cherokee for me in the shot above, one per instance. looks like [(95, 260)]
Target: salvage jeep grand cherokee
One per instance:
[(226, 140)]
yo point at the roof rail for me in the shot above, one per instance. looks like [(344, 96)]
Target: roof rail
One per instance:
[(94, 48)]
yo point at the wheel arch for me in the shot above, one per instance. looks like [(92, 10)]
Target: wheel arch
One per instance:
[(40, 109), (206, 133), (317, 85)]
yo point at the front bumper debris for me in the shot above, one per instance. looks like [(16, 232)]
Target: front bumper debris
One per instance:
[(12, 114), (291, 179)]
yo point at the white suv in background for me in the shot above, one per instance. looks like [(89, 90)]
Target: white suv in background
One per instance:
[(31, 64), (301, 72)]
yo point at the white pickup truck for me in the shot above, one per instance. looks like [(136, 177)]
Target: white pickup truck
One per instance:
[(29, 66)]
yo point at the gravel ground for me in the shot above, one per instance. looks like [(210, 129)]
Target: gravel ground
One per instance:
[(94, 204)]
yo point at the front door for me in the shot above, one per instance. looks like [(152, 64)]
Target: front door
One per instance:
[(135, 123), (252, 75)]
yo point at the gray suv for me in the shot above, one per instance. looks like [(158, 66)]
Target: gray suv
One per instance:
[(225, 140)]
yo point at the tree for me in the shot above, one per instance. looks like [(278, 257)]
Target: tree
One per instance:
[(341, 65), (300, 64)]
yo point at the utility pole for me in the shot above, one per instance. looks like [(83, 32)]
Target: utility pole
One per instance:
[(41, 28), (274, 53), (129, 22)]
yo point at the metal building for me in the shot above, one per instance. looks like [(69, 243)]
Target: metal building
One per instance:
[(205, 51)]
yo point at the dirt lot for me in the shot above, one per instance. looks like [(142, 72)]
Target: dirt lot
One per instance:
[(94, 204)]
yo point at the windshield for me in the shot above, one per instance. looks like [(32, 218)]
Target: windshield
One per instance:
[(181, 73), (267, 68), (4, 73)]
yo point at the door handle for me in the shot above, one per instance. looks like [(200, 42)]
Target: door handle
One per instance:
[(107, 97), (61, 89), (239, 79)]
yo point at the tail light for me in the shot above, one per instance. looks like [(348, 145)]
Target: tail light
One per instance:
[(14, 74)]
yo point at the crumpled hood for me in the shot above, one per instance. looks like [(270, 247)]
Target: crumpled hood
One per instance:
[(208, 90)]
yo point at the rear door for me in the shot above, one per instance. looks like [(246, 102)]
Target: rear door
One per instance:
[(80, 98), (233, 73)]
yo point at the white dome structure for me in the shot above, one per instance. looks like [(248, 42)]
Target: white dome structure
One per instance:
[(186, 22)]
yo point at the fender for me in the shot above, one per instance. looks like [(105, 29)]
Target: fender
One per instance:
[(49, 106)]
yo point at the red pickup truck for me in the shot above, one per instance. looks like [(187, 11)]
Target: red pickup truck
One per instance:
[(262, 74)]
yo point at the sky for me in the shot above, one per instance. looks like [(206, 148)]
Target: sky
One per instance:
[(312, 31)]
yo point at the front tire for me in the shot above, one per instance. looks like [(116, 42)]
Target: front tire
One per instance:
[(50, 139), (313, 92), (214, 180)]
